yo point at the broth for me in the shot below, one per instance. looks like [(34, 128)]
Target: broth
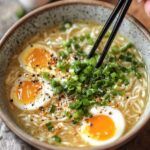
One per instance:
[(56, 122)]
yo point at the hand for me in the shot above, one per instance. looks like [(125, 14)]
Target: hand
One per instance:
[(146, 6)]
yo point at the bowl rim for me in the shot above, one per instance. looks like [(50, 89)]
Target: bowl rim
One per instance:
[(26, 137)]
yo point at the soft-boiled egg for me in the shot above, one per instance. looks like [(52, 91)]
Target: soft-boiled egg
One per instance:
[(105, 127), (31, 92), (37, 58)]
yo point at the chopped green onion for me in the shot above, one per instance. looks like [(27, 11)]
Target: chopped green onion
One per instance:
[(52, 109), (66, 25), (126, 47), (76, 105), (46, 76), (20, 12), (67, 114), (54, 83), (49, 126), (56, 139), (78, 114)]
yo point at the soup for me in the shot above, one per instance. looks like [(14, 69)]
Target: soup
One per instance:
[(58, 96)]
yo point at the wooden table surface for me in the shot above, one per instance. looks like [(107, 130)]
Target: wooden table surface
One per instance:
[(9, 141)]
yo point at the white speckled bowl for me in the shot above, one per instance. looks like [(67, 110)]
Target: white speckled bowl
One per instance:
[(51, 15)]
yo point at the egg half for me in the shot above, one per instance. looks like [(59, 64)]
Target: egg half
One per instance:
[(37, 58), (106, 126), (31, 92)]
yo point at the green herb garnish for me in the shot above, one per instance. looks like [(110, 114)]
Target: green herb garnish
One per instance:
[(52, 109), (56, 139), (20, 12), (66, 25), (49, 126)]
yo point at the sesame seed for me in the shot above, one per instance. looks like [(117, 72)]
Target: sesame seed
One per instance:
[(41, 108), (11, 100), (33, 75), (110, 113)]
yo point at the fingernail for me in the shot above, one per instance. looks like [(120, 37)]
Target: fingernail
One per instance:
[(147, 7)]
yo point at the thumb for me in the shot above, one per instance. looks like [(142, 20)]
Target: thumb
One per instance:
[(147, 7)]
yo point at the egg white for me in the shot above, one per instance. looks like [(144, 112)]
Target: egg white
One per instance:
[(42, 98), (24, 54), (117, 118)]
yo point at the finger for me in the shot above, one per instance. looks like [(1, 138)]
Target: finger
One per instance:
[(139, 1), (147, 7)]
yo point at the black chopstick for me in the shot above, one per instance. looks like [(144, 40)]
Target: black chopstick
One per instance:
[(105, 28), (121, 8), (114, 32)]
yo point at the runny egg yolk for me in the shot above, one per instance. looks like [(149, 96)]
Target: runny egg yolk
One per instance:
[(39, 58), (27, 91), (100, 127)]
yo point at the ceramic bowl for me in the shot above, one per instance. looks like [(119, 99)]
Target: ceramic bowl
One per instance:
[(50, 15)]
